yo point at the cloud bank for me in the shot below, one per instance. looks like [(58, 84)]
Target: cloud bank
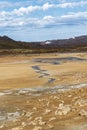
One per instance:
[(42, 14)]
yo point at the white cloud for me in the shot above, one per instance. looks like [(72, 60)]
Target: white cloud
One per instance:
[(26, 10), (29, 9), (75, 15), (71, 4), (23, 10), (47, 6), (70, 18), (4, 4), (48, 18), (65, 5)]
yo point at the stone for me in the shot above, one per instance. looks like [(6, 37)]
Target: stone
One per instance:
[(17, 128), (50, 126), (23, 124), (37, 128), (47, 111), (1, 126), (83, 113), (38, 121), (34, 108), (66, 110), (52, 118), (62, 110), (28, 114), (81, 102)]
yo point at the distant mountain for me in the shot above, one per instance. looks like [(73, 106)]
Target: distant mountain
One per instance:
[(77, 44), (8, 43)]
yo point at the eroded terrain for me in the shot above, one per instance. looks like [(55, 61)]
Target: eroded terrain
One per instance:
[(43, 92)]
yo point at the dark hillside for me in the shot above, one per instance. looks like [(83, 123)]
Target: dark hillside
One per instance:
[(77, 44)]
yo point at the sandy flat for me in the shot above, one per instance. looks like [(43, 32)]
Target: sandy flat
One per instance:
[(17, 71), (43, 92)]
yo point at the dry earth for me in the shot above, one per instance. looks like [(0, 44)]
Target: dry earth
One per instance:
[(43, 92)]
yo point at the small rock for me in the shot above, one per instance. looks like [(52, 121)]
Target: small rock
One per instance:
[(69, 96), (66, 110), (47, 111), (52, 118), (37, 128), (62, 110), (34, 108), (38, 121), (50, 126), (48, 104), (23, 113), (83, 113), (55, 97), (59, 113), (23, 124), (81, 102), (17, 128), (61, 106), (1, 126), (28, 114)]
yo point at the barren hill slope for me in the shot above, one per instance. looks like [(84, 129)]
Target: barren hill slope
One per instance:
[(77, 44)]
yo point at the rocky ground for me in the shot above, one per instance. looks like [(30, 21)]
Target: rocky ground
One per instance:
[(44, 109), (43, 92)]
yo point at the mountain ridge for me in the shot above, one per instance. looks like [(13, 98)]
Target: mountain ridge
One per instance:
[(76, 44)]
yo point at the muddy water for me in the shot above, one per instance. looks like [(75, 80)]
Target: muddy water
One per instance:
[(57, 61)]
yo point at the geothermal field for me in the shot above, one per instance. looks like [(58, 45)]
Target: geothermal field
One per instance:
[(43, 91)]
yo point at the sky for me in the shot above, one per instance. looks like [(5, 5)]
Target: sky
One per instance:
[(39, 20)]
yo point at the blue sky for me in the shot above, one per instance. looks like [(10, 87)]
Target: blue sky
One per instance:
[(37, 20)]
